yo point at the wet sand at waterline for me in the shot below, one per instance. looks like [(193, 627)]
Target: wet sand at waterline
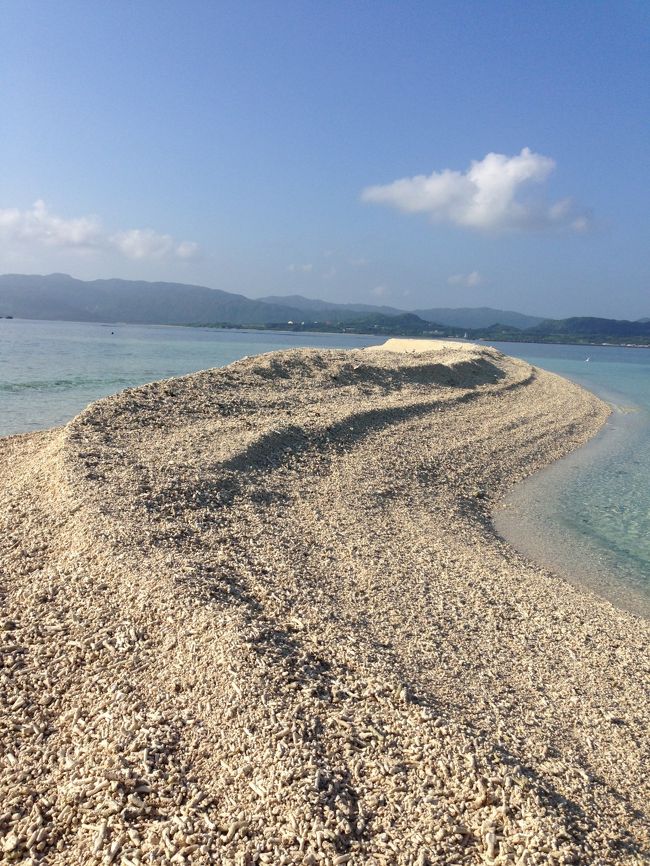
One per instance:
[(259, 614)]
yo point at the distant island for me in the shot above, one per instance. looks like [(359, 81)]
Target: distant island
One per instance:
[(581, 330), (62, 297)]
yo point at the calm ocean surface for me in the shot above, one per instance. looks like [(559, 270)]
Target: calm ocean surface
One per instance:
[(588, 515)]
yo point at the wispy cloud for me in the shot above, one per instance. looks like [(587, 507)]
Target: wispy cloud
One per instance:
[(38, 227), (487, 196), (303, 269), (474, 278), (148, 244), (380, 291)]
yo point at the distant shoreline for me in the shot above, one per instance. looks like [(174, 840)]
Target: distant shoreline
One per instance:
[(383, 334), (426, 335)]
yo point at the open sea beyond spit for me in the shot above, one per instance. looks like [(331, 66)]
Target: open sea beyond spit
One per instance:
[(587, 516)]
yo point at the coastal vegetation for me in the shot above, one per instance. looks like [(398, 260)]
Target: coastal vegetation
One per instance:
[(577, 330)]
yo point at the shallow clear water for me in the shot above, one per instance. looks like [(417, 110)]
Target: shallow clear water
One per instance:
[(587, 516)]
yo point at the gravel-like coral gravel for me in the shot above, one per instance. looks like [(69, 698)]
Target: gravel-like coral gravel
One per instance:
[(259, 615)]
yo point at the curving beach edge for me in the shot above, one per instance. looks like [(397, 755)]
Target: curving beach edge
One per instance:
[(259, 615)]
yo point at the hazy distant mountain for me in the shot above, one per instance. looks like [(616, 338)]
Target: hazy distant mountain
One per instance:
[(462, 317), (478, 317), (593, 327), (313, 306), (59, 296)]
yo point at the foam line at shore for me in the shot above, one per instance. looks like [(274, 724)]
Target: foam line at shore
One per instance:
[(260, 615)]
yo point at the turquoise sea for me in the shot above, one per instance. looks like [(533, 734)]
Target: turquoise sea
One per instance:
[(587, 516)]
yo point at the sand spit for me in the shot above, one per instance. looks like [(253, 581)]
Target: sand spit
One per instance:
[(258, 615)]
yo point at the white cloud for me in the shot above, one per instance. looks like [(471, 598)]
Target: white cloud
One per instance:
[(187, 249), (474, 278), (38, 227), (380, 291), (486, 197), (148, 244), (305, 269), (359, 263)]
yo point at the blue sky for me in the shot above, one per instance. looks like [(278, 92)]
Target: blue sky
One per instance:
[(415, 154)]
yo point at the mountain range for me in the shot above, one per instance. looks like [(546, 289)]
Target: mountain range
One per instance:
[(62, 297), (59, 296), (464, 317)]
